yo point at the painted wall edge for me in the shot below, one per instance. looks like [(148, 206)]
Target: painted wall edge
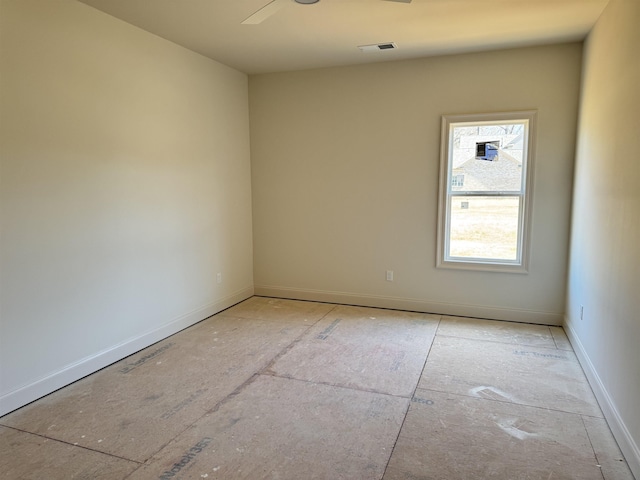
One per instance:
[(28, 393)]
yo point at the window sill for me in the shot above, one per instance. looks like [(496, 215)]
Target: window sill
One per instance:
[(482, 266)]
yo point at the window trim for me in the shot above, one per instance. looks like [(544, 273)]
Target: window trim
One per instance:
[(520, 265)]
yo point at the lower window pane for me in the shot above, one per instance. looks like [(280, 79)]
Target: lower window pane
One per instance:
[(484, 228)]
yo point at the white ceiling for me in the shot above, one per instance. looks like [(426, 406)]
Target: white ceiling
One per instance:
[(329, 32)]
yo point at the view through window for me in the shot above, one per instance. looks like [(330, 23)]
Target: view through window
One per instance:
[(484, 190)]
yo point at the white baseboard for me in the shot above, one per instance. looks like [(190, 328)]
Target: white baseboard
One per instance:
[(75, 371), (414, 305), (625, 440)]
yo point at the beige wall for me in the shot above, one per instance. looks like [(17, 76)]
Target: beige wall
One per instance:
[(125, 190), (345, 180), (604, 274)]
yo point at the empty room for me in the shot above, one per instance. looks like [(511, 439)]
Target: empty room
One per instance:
[(331, 239)]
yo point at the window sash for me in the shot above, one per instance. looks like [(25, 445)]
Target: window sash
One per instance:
[(487, 260), (448, 195)]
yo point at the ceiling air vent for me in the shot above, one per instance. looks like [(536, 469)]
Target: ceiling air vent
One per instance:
[(377, 47)]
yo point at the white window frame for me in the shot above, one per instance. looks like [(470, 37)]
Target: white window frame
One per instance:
[(521, 264)]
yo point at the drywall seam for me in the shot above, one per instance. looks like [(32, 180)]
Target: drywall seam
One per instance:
[(620, 431), (411, 304), (88, 365)]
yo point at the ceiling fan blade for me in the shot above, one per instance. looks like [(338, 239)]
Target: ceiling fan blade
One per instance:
[(265, 12)]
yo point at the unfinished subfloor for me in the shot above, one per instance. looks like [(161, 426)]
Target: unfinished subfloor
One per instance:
[(281, 389)]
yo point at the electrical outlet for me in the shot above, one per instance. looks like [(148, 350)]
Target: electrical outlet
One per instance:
[(389, 275), (219, 277)]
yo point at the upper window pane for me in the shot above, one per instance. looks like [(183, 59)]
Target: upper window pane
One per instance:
[(487, 158)]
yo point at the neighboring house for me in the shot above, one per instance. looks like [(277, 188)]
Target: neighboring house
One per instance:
[(494, 172), (503, 173)]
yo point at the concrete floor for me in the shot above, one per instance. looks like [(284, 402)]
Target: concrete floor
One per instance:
[(280, 389)]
